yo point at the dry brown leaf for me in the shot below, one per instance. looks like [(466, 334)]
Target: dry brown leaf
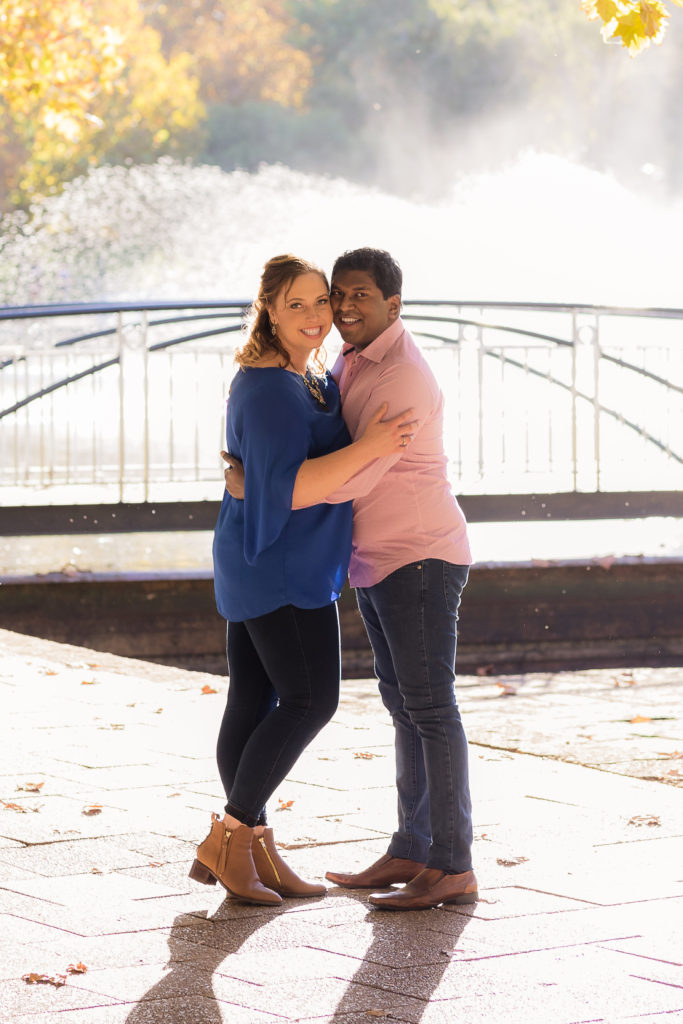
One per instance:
[(78, 968), (48, 672), (92, 664), (675, 771), (507, 689), (32, 787), (208, 689), (9, 806), (284, 805), (365, 755), (511, 862), (43, 979), (156, 863), (158, 711), (670, 753), (644, 819), (91, 809), (96, 871), (87, 682), (639, 718)]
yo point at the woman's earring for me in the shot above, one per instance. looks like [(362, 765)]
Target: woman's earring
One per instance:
[(273, 328)]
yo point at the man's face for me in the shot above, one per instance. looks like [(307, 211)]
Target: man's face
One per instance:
[(360, 310)]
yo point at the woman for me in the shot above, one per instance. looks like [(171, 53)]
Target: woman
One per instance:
[(280, 561)]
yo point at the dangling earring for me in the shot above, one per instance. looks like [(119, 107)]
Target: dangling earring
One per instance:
[(273, 328)]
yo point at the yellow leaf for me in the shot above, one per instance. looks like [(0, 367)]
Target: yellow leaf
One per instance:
[(639, 718), (630, 29), (653, 14)]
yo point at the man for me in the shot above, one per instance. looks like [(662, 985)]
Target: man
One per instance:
[(409, 564)]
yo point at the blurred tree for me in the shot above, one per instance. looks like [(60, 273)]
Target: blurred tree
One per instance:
[(633, 23), (83, 81), (240, 48)]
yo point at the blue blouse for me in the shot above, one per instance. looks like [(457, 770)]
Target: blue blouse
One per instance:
[(266, 555)]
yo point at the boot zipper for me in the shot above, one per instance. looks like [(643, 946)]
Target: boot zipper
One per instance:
[(262, 843)]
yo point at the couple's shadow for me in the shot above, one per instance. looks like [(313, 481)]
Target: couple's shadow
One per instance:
[(197, 944), (406, 959)]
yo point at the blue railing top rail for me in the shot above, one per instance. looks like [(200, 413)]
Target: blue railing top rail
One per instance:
[(76, 308)]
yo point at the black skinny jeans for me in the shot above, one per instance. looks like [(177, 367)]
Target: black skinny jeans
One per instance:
[(285, 670)]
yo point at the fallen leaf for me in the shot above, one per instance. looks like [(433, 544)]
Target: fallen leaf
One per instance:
[(639, 718), (208, 689), (511, 862), (14, 807), (78, 968), (644, 819), (284, 805), (507, 689), (624, 679), (365, 755), (92, 664), (92, 809), (670, 754), (32, 787), (158, 711), (43, 979), (675, 771), (156, 863), (95, 871), (87, 682), (48, 672), (172, 794)]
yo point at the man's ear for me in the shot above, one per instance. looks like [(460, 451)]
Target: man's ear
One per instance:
[(394, 308)]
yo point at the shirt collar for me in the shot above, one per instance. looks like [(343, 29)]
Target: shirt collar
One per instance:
[(378, 348)]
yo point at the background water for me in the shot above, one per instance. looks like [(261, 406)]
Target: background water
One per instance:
[(540, 228)]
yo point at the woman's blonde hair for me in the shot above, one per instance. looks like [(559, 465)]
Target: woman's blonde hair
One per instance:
[(278, 274)]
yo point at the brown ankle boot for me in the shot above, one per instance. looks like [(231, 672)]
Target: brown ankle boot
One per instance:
[(277, 875), (226, 856)]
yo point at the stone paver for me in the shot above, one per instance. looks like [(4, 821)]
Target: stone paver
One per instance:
[(107, 781)]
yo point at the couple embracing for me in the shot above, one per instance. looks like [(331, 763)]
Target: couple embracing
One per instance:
[(329, 473)]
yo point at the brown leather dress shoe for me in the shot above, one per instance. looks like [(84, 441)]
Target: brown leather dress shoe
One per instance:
[(429, 889), (384, 872)]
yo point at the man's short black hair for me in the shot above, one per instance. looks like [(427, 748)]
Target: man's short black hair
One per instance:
[(376, 262)]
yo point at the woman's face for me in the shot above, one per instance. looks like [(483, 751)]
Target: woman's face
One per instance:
[(302, 314)]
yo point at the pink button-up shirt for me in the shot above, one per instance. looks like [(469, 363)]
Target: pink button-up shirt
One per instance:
[(403, 508)]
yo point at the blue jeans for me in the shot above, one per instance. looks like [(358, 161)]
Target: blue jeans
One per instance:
[(411, 617), (285, 669)]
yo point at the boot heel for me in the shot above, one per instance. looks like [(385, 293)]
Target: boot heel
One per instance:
[(200, 873), (464, 898)]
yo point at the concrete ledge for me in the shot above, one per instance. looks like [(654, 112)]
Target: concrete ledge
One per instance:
[(514, 616)]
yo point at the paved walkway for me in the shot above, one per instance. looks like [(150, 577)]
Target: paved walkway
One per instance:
[(107, 780)]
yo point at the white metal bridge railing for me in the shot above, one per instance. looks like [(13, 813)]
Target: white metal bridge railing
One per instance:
[(124, 401)]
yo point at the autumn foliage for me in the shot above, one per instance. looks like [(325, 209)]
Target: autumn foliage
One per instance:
[(632, 23)]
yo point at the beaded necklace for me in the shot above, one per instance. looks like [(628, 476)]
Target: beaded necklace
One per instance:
[(313, 387)]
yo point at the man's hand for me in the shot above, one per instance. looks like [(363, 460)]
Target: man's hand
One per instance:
[(234, 476)]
